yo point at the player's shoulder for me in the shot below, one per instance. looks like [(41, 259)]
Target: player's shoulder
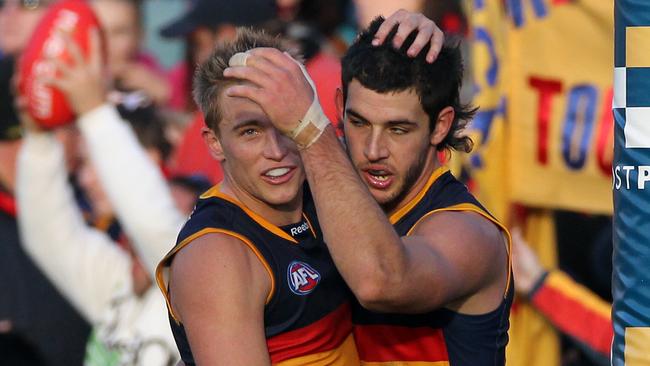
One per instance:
[(473, 242), (208, 206), (464, 227), (216, 268), (217, 246), (210, 212)]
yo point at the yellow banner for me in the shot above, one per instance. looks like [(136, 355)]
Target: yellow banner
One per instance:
[(542, 70), (488, 163), (559, 95)]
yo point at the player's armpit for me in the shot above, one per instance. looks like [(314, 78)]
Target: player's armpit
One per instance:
[(457, 260), (218, 288)]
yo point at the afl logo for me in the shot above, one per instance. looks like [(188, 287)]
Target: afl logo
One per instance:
[(302, 278)]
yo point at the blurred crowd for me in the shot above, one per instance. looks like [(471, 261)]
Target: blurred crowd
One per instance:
[(87, 210)]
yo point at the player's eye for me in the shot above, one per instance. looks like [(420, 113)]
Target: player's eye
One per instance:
[(249, 132), (398, 130), (357, 123)]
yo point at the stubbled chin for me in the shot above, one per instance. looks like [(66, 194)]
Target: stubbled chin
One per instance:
[(382, 197)]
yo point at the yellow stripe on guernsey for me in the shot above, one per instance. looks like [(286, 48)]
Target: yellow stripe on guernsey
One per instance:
[(216, 192), (345, 354), (468, 207), (395, 217), (583, 296), (162, 271)]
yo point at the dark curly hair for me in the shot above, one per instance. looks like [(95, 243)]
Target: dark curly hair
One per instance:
[(385, 69)]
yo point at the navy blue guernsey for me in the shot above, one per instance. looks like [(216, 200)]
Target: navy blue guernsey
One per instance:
[(307, 316), (443, 336)]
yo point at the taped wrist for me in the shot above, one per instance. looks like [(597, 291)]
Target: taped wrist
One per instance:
[(311, 126), (313, 123)]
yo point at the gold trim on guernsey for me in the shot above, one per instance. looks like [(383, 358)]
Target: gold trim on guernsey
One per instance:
[(395, 217), (343, 355), (311, 228), (162, 271), (215, 192), (468, 207)]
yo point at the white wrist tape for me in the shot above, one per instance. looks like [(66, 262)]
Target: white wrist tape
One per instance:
[(238, 59), (312, 124)]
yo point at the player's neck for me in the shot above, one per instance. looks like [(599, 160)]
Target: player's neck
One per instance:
[(279, 215)]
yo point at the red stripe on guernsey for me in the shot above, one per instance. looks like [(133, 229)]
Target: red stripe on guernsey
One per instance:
[(323, 335), (576, 314), (7, 204), (384, 343)]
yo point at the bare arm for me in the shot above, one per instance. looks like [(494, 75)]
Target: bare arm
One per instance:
[(82, 262), (449, 256), (218, 288), (135, 185), (573, 309)]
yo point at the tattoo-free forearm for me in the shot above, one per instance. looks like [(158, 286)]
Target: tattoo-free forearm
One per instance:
[(365, 247)]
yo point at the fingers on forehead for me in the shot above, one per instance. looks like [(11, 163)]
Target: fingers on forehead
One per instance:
[(238, 59), (257, 59), (272, 54)]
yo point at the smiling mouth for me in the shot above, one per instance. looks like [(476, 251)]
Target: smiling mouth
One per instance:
[(278, 175), (277, 172)]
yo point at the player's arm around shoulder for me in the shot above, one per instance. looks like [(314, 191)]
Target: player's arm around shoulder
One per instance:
[(218, 289), (457, 260)]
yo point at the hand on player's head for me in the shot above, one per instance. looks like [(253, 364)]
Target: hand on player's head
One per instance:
[(525, 264), (407, 22), (277, 83)]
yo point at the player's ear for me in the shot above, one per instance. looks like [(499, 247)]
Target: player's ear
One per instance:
[(340, 104), (442, 126), (213, 143)]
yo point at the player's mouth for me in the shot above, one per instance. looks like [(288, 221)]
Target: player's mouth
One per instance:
[(279, 175), (378, 178)]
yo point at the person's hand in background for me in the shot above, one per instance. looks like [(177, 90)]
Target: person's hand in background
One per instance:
[(525, 264), (82, 80), (137, 76)]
